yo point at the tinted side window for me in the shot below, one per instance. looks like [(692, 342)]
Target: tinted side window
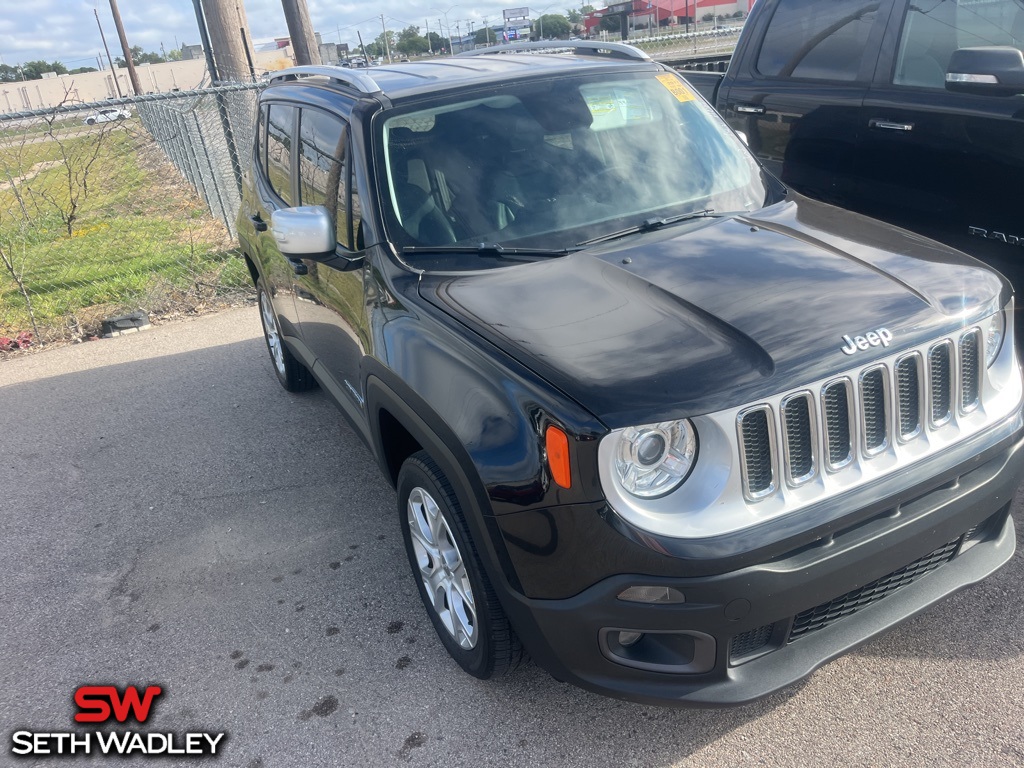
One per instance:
[(324, 169), (933, 30), (279, 150), (817, 39)]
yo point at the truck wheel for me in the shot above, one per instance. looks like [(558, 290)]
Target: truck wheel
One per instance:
[(90, 121), (455, 590), (292, 374)]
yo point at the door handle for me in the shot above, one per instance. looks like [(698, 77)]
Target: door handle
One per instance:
[(750, 109), (889, 125), (258, 223)]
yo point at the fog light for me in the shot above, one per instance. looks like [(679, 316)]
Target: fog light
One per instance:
[(627, 639), (658, 595)]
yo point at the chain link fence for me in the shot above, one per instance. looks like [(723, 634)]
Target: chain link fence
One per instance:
[(118, 207)]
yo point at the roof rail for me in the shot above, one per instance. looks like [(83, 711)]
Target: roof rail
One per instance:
[(361, 82), (579, 47)]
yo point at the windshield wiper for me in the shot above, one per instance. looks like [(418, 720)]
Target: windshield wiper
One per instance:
[(493, 250), (649, 225)]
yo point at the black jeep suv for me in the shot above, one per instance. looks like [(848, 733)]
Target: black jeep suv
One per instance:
[(678, 433)]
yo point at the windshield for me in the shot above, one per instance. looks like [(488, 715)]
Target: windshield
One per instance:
[(548, 164)]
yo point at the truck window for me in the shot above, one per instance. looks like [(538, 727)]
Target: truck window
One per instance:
[(933, 30), (816, 40)]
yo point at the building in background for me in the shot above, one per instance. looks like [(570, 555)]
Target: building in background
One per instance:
[(645, 16), (184, 75)]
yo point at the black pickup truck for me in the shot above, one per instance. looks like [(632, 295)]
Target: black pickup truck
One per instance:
[(910, 112), (681, 433)]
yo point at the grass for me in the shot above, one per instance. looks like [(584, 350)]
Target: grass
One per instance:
[(140, 237)]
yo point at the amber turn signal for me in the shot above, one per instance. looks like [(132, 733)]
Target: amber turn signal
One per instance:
[(558, 456)]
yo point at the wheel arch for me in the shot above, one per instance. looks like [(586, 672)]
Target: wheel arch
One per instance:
[(401, 423)]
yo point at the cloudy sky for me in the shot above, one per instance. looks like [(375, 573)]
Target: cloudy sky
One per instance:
[(65, 30)]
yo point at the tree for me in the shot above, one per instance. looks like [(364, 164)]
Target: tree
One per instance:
[(34, 70), (82, 70), (410, 42), (174, 54), (377, 48), (552, 25), (438, 43), (141, 57), (484, 36), (575, 17)]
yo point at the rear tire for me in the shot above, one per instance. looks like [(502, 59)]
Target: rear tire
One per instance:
[(453, 586), (292, 374)]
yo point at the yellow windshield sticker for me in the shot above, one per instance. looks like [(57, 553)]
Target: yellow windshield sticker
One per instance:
[(676, 87)]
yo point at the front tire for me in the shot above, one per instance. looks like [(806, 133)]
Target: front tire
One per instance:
[(292, 374), (455, 591)]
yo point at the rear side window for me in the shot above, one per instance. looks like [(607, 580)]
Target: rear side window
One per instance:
[(279, 151), (817, 39), (933, 30), (324, 169)]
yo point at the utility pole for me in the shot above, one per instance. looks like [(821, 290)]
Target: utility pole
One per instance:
[(300, 29), (132, 74), (362, 47), (430, 48), (387, 46), (227, 29), (106, 48)]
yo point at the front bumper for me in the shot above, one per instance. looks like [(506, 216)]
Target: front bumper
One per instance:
[(746, 633)]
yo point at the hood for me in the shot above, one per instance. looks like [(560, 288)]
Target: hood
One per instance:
[(719, 312)]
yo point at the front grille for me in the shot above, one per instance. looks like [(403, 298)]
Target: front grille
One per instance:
[(752, 640), (825, 614), (925, 391)]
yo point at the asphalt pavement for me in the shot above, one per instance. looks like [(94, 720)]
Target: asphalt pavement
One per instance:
[(170, 516)]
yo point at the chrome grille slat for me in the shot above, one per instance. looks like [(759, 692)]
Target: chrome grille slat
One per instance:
[(837, 410), (756, 430), (940, 383), (970, 370), (855, 417), (910, 396), (798, 438), (874, 409)]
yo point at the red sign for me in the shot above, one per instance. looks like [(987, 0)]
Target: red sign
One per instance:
[(98, 702)]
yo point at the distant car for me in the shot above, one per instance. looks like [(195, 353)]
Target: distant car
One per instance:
[(108, 115)]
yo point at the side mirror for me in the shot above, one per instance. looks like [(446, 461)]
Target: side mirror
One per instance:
[(306, 232), (996, 70)]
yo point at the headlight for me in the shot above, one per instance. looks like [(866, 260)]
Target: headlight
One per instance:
[(994, 330), (655, 459)]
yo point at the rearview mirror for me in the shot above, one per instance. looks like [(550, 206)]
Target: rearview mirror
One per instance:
[(997, 70), (306, 232)]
